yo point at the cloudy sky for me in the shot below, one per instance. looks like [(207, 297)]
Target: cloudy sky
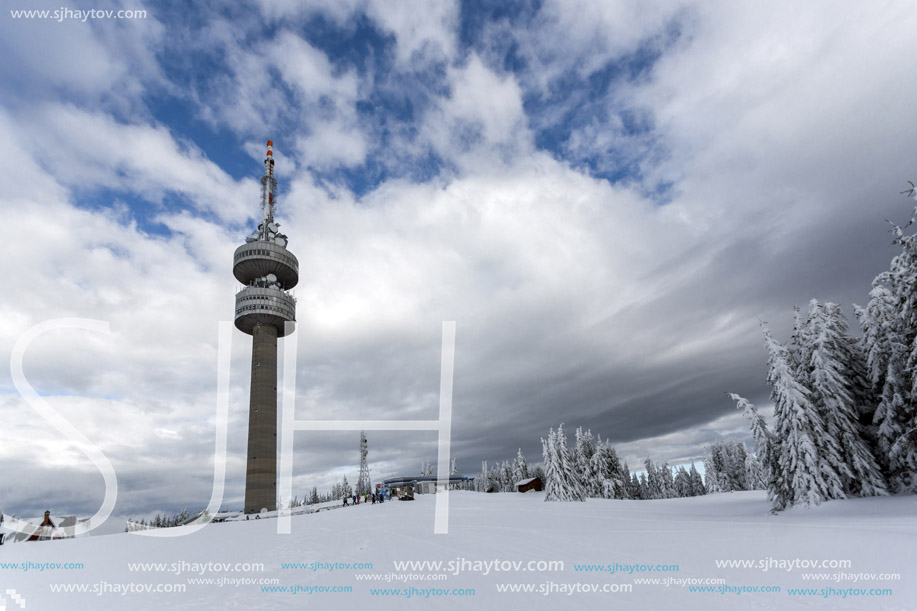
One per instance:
[(607, 198)]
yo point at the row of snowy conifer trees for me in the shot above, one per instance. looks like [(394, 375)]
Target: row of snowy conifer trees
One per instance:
[(592, 468), (845, 408)]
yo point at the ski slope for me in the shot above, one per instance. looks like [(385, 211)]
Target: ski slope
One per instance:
[(495, 541)]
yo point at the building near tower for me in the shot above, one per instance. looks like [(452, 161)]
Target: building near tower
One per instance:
[(409, 485), (44, 529), (266, 311)]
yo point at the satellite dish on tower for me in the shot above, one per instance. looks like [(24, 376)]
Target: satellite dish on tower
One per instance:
[(271, 278), (272, 227)]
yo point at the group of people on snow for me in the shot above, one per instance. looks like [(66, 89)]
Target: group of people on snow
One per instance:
[(373, 498)]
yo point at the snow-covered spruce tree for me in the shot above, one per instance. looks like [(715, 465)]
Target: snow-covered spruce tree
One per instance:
[(682, 482), (717, 467), (609, 471), (836, 386), (633, 485), (629, 489), (563, 482), (668, 481), (885, 363), (890, 340), (583, 452), (553, 484), (572, 480), (767, 450), (654, 484), (738, 458), (808, 478), (697, 482), (621, 473), (495, 478), (754, 473), (800, 356), (520, 467), (604, 484), (712, 479)]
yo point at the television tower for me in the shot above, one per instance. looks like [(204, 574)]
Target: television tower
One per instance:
[(363, 485), (263, 307)]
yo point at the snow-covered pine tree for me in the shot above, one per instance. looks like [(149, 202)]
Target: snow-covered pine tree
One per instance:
[(668, 481), (553, 485), (620, 472), (654, 486), (904, 450), (836, 389), (601, 470), (890, 341), (754, 473), (712, 479), (682, 482), (573, 484), (767, 450), (607, 469), (738, 455), (582, 460), (885, 360), (630, 482), (697, 482), (719, 456), (508, 480), (562, 483), (520, 467), (497, 477), (809, 480)]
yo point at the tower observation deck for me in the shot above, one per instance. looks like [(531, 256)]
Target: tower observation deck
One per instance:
[(267, 271)]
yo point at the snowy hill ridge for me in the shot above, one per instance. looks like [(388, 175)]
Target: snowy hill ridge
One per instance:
[(503, 551)]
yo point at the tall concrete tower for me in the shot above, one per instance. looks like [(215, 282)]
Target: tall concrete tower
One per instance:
[(267, 270)]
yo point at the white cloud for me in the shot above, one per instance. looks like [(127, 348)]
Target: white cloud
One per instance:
[(100, 61), (482, 120), (425, 31), (91, 149)]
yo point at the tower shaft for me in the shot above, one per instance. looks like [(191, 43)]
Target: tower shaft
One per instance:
[(261, 467)]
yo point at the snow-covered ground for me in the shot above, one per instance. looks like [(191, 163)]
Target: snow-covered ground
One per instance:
[(672, 541)]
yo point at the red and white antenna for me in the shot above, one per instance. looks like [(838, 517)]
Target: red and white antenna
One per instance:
[(268, 186)]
